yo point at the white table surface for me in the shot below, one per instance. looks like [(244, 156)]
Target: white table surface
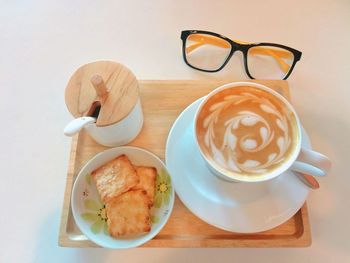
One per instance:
[(43, 42)]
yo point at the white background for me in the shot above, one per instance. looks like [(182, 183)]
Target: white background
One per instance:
[(43, 42)]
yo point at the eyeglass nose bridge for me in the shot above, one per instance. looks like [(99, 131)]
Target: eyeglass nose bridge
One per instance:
[(238, 47), (243, 47)]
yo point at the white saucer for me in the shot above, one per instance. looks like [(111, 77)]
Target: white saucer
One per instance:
[(236, 207)]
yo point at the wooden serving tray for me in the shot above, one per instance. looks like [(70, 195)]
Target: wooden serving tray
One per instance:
[(162, 102)]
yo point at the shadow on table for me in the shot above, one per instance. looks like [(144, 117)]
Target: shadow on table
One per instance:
[(48, 250)]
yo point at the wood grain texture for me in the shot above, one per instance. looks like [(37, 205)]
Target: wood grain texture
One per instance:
[(162, 102), (122, 91)]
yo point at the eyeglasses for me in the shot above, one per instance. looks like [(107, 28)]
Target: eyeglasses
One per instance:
[(210, 52)]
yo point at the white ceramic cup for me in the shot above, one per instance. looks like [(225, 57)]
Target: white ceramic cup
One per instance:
[(117, 134), (302, 160)]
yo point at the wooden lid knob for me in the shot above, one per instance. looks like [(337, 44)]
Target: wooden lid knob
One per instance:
[(107, 83), (99, 85)]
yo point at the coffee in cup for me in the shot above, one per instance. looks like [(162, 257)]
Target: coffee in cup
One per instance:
[(247, 132)]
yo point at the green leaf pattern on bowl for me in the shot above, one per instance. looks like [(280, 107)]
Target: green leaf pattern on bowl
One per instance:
[(163, 189)]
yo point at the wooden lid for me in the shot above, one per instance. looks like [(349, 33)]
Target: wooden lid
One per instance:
[(105, 83)]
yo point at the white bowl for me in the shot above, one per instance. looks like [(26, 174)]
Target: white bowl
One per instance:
[(88, 211)]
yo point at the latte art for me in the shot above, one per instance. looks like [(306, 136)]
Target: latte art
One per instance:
[(246, 130)]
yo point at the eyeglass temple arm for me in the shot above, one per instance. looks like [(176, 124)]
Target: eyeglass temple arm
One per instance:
[(276, 54)]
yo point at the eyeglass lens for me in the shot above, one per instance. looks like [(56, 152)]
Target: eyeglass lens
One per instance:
[(206, 52), (269, 62)]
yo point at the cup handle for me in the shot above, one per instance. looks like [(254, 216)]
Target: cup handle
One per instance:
[(311, 163)]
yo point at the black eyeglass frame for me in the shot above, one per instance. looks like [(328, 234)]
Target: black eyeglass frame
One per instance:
[(236, 47)]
